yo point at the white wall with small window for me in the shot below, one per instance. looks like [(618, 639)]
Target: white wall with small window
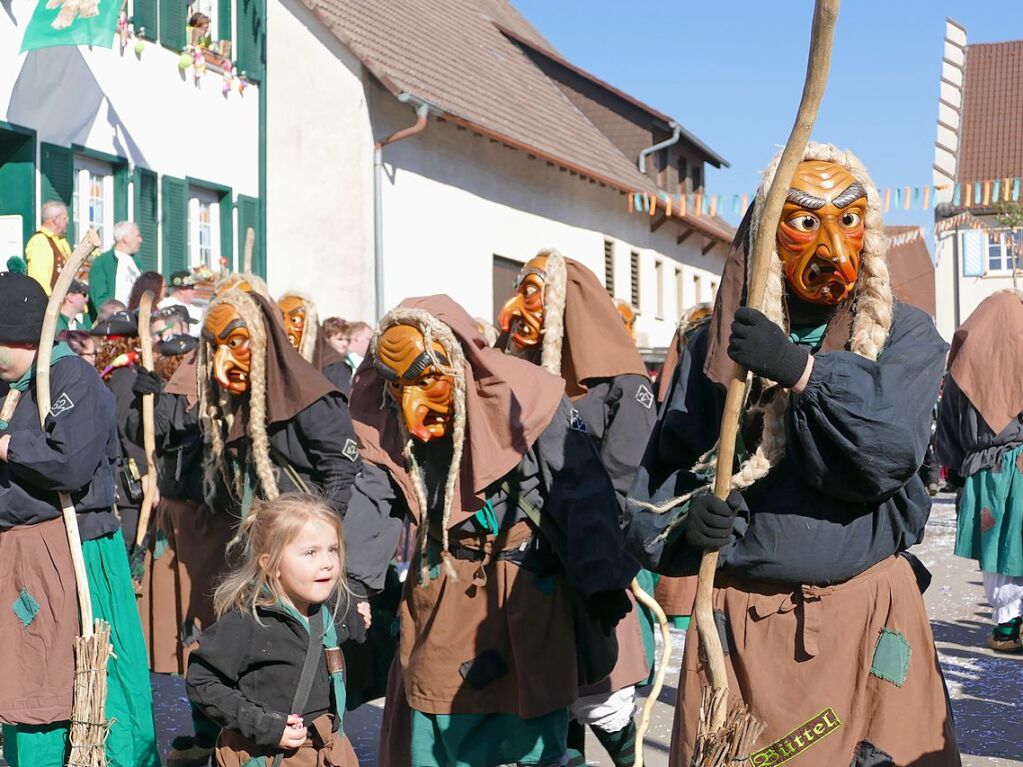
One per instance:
[(203, 228), (93, 197)]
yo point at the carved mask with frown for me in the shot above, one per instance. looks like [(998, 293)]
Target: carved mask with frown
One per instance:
[(227, 332), (820, 235), (293, 312), (522, 314), (418, 381)]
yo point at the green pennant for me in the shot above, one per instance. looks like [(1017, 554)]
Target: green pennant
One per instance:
[(96, 30)]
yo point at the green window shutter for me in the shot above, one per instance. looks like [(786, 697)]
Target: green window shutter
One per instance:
[(248, 216), (174, 221), (251, 42), (225, 30), (173, 20), (147, 218), (57, 165), (227, 229), (145, 18), (18, 179), (120, 192)]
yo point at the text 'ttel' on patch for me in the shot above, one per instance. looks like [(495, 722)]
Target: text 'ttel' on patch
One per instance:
[(805, 736)]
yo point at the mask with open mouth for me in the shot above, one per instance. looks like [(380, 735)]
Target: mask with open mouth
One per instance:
[(820, 235), (417, 381), (293, 312), (231, 357), (522, 315)]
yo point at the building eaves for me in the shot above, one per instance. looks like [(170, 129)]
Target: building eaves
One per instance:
[(713, 157)]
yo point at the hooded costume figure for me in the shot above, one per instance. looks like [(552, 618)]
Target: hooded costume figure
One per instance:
[(477, 444), (980, 438), (301, 322), (272, 421), (75, 452), (562, 318), (824, 629)]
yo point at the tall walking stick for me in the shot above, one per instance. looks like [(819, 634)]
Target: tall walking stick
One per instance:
[(149, 445), (662, 670), (89, 725), (724, 735), (250, 243)]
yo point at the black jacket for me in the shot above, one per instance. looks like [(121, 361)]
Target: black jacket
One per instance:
[(77, 453), (846, 494), (244, 675), (179, 448), (964, 441)]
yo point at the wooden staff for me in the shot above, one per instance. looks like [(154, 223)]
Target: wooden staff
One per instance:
[(92, 649), (825, 15), (148, 441), (250, 242), (648, 708)]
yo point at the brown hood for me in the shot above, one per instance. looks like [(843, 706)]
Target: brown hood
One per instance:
[(849, 329), (292, 384), (184, 382), (986, 359), (508, 404), (582, 322)]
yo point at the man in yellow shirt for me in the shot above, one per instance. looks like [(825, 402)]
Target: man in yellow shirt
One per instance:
[(48, 250)]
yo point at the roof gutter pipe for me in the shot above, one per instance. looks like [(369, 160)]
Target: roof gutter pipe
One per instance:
[(422, 113), (675, 136)]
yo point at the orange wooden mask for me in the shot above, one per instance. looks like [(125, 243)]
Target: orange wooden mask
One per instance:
[(820, 235), (227, 332), (522, 314), (422, 389), (293, 312)]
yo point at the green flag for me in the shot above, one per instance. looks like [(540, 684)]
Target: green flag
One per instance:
[(97, 29)]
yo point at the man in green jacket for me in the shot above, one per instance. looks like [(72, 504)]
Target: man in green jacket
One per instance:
[(113, 273)]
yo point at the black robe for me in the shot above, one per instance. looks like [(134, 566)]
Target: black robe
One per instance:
[(964, 442), (845, 496)]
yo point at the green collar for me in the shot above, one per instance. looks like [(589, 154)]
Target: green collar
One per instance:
[(60, 351), (809, 335)]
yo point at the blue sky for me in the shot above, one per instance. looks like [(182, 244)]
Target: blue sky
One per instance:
[(732, 73)]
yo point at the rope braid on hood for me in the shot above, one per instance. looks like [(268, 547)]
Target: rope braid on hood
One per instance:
[(872, 320), (311, 331), (218, 408), (432, 330), (555, 294)]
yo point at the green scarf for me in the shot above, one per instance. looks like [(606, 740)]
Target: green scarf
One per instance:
[(337, 678), (60, 351), (809, 335)]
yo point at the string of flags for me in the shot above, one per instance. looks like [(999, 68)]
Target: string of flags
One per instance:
[(973, 194)]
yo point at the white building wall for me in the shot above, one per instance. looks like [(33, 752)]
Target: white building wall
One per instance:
[(972, 290), (319, 166), (452, 201)]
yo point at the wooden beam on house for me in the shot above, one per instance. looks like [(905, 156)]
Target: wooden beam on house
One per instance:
[(684, 236), (657, 223), (709, 247)]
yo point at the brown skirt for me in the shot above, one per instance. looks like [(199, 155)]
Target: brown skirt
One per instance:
[(494, 639), (177, 589), (676, 595), (323, 748), (837, 672), (38, 624)]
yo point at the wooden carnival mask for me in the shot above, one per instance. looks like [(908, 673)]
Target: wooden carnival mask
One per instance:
[(293, 312), (422, 389), (628, 315), (231, 356), (522, 314), (820, 235)]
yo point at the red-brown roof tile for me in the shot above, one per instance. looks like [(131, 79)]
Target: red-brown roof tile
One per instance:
[(991, 137), (452, 54)]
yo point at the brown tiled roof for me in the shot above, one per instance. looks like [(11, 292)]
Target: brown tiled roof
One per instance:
[(991, 138), (912, 271), (452, 54)]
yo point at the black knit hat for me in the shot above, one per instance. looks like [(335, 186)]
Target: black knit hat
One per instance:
[(22, 308)]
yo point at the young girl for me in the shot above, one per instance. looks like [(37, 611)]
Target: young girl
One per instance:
[(269, 670)]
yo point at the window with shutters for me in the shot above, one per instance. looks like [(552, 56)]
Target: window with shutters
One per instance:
[(203, 229), (697, 178), (697, 289), (999, 251), (174, 224), (248, 218), (174, 24), (57, 168), (145, 16), (685, 184), (609, 267), (659, 283), (634, 279), (251, 32), (680, 288), (505, 277)]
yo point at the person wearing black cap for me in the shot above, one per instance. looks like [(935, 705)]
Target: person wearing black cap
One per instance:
[(75, 453), (74, 311), (181, 286)]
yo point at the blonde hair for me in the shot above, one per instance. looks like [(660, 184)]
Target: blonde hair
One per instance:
[(555, 293), (218, 408), (432, 330), (266, 532)]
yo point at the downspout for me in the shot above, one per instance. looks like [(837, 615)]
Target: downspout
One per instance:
[(422, 113), (677, 133)]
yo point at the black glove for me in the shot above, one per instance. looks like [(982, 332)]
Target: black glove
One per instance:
[(146, 382), (709, 520), (609, 607), (759, 345)]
